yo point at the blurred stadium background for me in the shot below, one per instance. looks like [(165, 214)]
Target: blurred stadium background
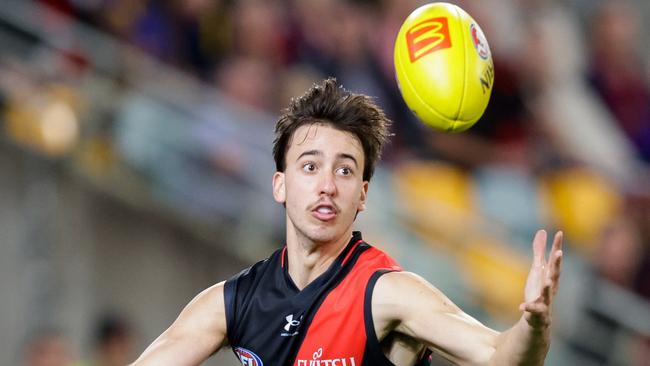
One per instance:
[(135, 164)]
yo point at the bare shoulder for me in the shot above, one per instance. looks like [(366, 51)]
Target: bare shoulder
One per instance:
[(207, 311), (401, 291), (211, 297), (402, 296)]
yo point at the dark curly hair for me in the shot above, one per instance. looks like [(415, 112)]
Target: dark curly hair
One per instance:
[(330, 104)]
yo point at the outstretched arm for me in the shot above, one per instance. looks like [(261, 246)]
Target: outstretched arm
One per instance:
[(198, 332), (408, 304)]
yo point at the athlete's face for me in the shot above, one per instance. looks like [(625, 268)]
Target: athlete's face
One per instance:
[(322, 185)]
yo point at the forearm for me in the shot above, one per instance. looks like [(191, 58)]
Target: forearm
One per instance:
[(160, 352), (174, 351), (522, 345)]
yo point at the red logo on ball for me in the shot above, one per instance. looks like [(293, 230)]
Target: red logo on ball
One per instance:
[(480, 43), (426, 37)]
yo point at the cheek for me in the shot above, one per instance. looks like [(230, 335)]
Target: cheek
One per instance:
[(296, 191), (353, 193)]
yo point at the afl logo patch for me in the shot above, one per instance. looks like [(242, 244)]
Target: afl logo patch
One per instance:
[(479, 41), (248, 358)]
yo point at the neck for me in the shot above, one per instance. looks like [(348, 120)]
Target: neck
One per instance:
[(308, 259)]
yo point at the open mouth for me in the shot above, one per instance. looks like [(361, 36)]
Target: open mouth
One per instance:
[(324, 212)]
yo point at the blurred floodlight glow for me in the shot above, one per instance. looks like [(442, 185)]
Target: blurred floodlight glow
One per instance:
[(59, 128)]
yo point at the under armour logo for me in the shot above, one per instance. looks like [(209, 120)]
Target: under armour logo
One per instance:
[(291, 322)]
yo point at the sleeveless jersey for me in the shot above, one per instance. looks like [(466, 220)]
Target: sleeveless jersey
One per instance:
[(270, 322)]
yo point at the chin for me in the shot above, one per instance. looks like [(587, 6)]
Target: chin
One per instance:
[(323, 234)]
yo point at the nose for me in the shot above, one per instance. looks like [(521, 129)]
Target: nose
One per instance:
[(327, 184)]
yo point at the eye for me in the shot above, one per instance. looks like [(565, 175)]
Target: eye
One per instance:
[(309, 167), (345, 171)]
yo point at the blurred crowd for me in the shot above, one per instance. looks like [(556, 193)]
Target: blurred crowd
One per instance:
[(112, 344), (262, 53), (564, 143)]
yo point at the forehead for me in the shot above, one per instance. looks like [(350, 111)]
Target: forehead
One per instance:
[(319, 136)]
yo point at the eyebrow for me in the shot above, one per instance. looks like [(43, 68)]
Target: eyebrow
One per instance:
[(348, 156), (320, 153), (310, 153)]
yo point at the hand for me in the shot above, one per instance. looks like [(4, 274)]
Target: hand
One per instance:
[(543, 280)]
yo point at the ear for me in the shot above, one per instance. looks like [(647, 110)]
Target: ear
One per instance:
[(364, 194), (279, 192)]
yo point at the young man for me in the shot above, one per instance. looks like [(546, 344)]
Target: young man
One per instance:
[(328, 298)]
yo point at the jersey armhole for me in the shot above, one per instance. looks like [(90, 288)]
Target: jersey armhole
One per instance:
[(374, 353), (229, 307), (373, 349)]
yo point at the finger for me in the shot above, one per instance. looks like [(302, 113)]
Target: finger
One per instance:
[(555, 270), (534, 307), (557, 241), (537, 315), (555, 265), (545, 296), (556, 250), (539, 247)]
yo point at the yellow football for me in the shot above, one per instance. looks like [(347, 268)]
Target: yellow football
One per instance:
[(444, 67)]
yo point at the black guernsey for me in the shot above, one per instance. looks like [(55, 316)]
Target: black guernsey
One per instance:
[(329, 323)]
